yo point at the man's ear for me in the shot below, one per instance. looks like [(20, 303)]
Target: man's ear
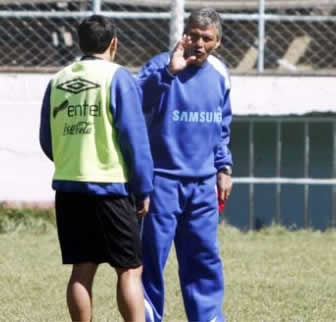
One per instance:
[(113, 47), (217, 44)]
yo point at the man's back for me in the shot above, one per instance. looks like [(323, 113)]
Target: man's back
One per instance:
[(84, 141)]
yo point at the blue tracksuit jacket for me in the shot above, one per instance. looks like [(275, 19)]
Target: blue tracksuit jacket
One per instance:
[(189, 116)]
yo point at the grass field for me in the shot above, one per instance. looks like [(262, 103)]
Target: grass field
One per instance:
[(272, 275)]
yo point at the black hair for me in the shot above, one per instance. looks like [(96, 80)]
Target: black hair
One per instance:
[(95, 34)]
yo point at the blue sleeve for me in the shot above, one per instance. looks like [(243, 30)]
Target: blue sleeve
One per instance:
[(154, 78), (129, 121), (45, 131), (223, 154)]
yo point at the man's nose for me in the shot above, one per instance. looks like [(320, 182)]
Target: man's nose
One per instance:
[(199, 42)]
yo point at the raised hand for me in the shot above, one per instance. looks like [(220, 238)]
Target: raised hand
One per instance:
[(181, 55)]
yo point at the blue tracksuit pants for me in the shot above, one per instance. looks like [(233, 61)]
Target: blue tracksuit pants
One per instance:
[(184, 211)]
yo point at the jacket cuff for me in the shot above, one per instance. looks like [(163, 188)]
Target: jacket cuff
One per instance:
[(227, 169), (142, 196)]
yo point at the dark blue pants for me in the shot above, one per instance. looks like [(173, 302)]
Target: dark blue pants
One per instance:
[(186, 212)]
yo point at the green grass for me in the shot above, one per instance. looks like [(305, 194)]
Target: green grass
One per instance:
[(23, 219), (273, 275)]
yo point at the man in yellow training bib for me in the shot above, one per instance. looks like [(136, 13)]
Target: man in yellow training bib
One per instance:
[(93, 129)]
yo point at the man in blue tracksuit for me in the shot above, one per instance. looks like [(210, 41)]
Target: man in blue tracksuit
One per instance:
[(186, 99)]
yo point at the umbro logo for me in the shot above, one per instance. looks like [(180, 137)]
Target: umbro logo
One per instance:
[(77, 85)]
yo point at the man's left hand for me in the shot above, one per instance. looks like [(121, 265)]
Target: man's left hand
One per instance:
[(224, 186)]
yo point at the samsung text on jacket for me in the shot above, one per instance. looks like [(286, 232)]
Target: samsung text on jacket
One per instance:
[(200, 117)]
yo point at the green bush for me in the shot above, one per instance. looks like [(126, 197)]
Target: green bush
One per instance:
[(18, 219)]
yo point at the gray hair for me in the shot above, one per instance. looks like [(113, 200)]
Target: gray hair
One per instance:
[(206, 17)]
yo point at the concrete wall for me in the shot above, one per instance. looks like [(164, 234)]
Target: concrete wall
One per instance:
[(25, 173)]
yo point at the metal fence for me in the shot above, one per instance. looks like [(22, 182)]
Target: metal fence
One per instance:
[(265, 36)]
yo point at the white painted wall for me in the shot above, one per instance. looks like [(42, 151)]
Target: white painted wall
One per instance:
[(283, 95), (25, 173)]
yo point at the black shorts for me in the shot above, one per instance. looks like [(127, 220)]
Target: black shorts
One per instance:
[(98, 229)]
